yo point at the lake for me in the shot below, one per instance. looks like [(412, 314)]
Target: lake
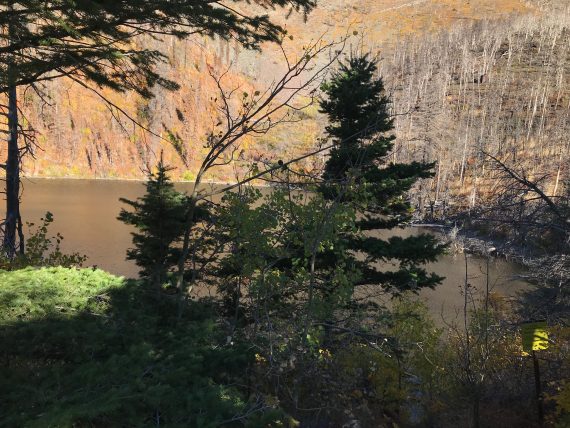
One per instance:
[(85, 213)]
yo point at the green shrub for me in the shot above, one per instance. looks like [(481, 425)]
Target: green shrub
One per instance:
[(85, 348), (42, 249)]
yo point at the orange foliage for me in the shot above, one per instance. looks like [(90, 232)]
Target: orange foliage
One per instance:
[(79, 136)]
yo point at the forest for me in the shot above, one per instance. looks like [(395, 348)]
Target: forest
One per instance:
[(303, 166)]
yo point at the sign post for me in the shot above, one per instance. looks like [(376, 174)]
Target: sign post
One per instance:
[(538, 388), (535, 338)]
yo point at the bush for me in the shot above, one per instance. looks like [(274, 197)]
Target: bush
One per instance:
[(85, 348), (42, 249)]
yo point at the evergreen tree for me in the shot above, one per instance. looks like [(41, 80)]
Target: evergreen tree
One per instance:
[(90, 39), (358, 173), (159, 217)]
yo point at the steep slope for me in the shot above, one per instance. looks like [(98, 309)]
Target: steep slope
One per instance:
[(497, 87), (80, 136)]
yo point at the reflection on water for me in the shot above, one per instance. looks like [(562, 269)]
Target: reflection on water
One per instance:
[(85, 213), (447, 299)]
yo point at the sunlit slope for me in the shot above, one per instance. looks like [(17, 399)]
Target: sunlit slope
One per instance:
[(386, 20), (78, 135)]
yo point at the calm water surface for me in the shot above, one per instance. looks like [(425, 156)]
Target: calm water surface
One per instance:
[(85, 213)]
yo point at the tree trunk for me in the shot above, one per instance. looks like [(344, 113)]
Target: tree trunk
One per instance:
[(476, 413), (13, 222)]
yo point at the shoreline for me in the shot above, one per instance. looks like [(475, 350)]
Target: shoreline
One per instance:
[(134, 180), (470, 240)]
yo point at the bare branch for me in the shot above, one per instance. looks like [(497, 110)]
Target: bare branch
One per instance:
[(530, 185)]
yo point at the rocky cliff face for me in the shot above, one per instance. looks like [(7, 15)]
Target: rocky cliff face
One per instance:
[(80, 136)]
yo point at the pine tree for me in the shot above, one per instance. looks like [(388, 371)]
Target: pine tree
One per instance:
[(358, 173), (159, 217), (91, 39)]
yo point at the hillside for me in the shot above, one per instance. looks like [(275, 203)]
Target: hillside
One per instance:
[(500, 87), (432, 51)]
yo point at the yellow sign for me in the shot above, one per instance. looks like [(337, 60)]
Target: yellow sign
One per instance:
[(534, 336)]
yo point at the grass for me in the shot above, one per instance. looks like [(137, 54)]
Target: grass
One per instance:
[(31, 294), (81, 347)]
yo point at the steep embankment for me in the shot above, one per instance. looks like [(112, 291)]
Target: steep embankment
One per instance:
[(431, 79)]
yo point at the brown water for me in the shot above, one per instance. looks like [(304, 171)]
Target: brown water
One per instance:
[(85, 214)]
